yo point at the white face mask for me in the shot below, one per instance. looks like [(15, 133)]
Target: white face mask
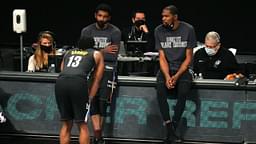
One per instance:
[(210, 51)]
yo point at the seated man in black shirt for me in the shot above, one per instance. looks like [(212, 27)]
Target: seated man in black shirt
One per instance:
[(214, 61), (138, 31), (138, 39)]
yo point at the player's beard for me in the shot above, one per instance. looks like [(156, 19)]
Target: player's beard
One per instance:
[(101, 24)]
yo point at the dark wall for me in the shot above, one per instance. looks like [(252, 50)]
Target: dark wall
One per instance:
[(232, 19)]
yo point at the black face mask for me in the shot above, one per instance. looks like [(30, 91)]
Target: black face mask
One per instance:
[(138, 23), (47, 49), (169, 26)]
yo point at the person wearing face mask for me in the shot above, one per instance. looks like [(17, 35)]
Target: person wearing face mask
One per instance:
[(38, 62), (138, 31), (138, 39), (214, 61), (107, 39), (174, 40)]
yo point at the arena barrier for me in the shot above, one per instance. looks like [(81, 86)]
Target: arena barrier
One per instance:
[(216, 110)]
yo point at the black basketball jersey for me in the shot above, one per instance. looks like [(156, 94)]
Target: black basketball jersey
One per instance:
[(78, 62)]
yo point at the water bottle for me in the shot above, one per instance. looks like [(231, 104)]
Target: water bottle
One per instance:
[(2, 118), (200, 76), (51, 69)]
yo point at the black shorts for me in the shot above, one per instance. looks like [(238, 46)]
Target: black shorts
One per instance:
[(106, 93), (108, 86), (72, 97), (99, 107)]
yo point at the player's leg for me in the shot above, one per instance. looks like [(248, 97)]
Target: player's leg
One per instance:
[(65, 132), (84, 135)]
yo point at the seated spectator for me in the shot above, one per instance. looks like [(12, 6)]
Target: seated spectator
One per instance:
[(38, 62), (214, 61)]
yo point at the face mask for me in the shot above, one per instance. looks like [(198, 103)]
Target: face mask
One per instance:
[(138, 23), (210, 51), (47, 49)]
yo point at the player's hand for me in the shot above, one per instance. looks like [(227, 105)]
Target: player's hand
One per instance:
[(169, 84), (172, 82), (112, 49)]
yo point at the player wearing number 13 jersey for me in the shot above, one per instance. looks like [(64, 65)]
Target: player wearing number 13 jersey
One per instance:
[(71, 90)]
